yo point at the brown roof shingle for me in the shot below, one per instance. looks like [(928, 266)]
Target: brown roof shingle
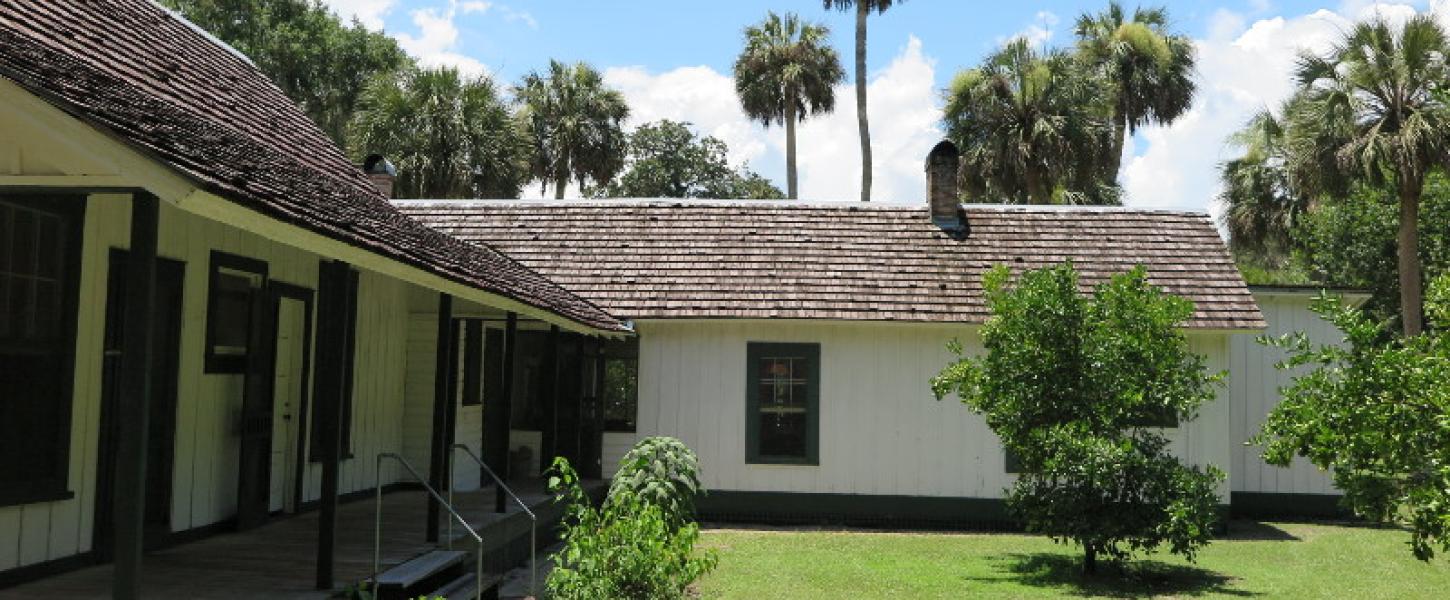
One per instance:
[(703, 259), (134, 71)]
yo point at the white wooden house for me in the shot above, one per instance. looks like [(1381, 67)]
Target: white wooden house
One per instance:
[(296, 326), (153, 180)]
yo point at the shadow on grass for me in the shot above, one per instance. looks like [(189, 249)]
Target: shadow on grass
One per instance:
[(1138, 579), (1257, 531)]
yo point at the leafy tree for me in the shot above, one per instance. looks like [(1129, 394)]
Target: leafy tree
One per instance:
[(787, 72), (1373, 110), (1148, 71), (450, 136), (319, 62), (628, 548), (1351, 242), (576, 122), (1076, 386), (667, 160), (1377, 413), (1261, 207), (863, 9), (1030, 127)]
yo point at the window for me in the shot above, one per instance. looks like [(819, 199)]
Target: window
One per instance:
[(783, 403), (621, 385), (236, 283), (40, 240)]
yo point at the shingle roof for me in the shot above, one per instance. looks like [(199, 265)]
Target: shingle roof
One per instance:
[(698, 259), (131, 69)]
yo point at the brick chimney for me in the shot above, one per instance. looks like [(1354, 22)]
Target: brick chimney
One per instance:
[(381, 173), (941, 188)]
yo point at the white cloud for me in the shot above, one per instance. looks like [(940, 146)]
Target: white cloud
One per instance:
[(437, 38), (904, 126), (1241, 70), (1037, 34), (369, 12)]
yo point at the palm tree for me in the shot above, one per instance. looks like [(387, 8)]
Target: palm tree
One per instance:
[(576, 123), (1374, 109), (863, 9), (786, 72), (1261, 206), (450, 136), (1149, 71), (1030, 127)]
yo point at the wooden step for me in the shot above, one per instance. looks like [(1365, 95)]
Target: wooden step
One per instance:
[(466, 588), (408, 574)]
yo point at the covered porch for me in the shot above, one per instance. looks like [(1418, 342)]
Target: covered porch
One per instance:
[(277, 560)]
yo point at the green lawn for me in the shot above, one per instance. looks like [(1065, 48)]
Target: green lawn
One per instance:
[(1278, 560)]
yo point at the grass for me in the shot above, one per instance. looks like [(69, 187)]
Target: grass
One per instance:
[(1268, 560)]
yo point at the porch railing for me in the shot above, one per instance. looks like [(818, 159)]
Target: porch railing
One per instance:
[(533, 520), (447, 504)]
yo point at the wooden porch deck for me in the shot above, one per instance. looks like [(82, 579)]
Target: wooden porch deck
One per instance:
[(278, 560)]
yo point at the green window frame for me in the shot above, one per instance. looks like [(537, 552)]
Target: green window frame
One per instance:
[(782, 403)]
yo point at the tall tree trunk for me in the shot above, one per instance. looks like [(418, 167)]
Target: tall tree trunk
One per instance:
[(561, 181), (1035, 187), (1089, 559), (1412, 298), (861, 121), (790, 180), (1115, 151)]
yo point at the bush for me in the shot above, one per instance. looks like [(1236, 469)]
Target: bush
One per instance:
[(663, 472), (628, 548), (1079, 387)]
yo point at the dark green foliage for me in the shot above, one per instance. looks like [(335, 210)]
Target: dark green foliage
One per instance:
[(1377, 412), (667, 160), (1068, 383), (1032, 128), (450, 136), (575, 123), (1350, 242), (317, 60), (663, 472), (626, 549)]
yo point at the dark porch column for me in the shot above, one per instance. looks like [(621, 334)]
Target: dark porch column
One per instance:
[(442, 439), (132, 417), (549, 442), (331, 370), (500, 416)]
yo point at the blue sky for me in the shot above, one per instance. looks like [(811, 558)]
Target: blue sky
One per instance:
[(672, 59)]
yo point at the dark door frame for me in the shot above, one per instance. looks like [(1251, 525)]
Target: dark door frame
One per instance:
[(286, 291), (168, 271)]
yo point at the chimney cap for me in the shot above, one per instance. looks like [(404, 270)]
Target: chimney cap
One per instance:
[(944, 150), (375, 164)]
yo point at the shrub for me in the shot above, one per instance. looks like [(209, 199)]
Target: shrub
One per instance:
[(625, 549), (1078, 387), (663, 472)]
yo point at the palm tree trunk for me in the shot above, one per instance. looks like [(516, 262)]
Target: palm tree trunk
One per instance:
[(790, 180), (861, 121), (1115, 152), (561, 180), (1411, 293)]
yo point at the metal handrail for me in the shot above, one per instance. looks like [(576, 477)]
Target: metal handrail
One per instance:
[(447, 504), (533, 519)]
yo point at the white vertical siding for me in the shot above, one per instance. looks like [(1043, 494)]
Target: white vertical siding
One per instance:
[(881, 430), (208, 405), (1255, 387)]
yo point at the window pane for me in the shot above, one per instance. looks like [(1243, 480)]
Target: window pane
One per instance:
[(49, 247), (6, 218), (22, 253), (7, 316), (22, 289), (231, 314), (47, 311), (783, 434), (621, 391)]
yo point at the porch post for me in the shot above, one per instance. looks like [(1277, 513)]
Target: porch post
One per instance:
[(132, 418), (503, 411), (331, 340), (549, 444), (442, 384)]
